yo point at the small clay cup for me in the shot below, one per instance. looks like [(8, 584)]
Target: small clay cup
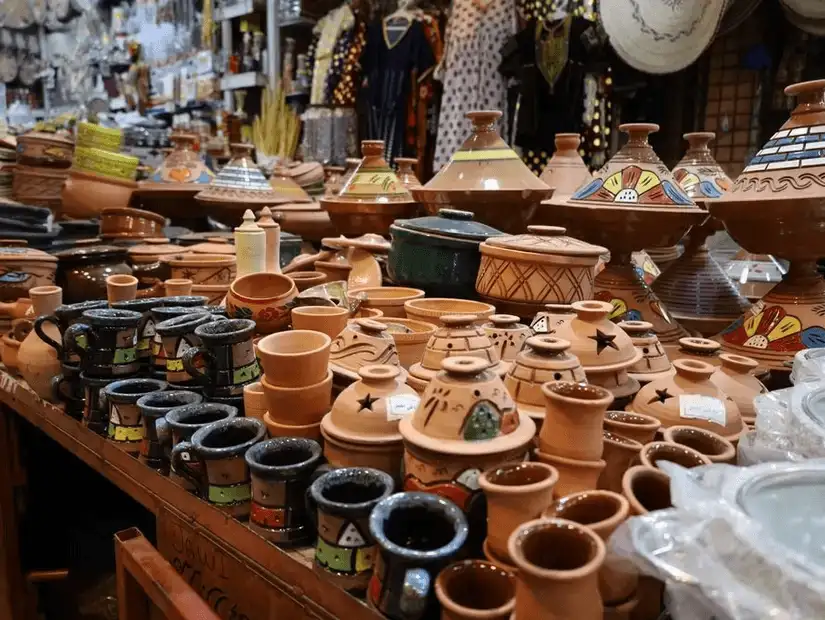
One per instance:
[(277, 429), (619, 454), (475, 590), (637, 426), (300, 405), (126, 428), (574, 475), (712, 445), (573, 420), (177, 286), (295, 359), (329, 320), (656, 451), (153, 409), (307, 279), (647, 489), (121, 287), (254, 400)]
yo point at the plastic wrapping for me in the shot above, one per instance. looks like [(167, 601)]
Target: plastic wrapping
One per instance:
[(734, 546)]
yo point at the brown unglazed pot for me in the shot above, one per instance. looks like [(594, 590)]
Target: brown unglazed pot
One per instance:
[(566, 171), (516, 493), (636, 426), (411, 338), (712, 445), (701, 349), (294, 359), (475, 590), (690, 398), (38, 361), (654, 363), (735, 378), (574, 475), (329, 320), (121, 287), (433, 309), (508, 335), (655, 452), (602, 512), (389, 299), (553, 315), (573, 420), (619, 454), (558, 570), (362, 343)]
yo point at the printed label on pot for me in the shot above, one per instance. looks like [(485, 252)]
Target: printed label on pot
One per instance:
[(401, 405), (700, 407)]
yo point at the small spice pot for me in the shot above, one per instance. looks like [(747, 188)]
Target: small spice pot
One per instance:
[(344, 499), (226, 361), (417, 535), (95, 407), (125, 423), (475, 590), (153, 409), (177, 336), (222, 478), (106, 341), (282, 470)]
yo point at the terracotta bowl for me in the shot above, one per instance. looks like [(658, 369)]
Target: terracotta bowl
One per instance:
[(215, 293), (329, 320), (264, 298), (637, 426), (411, 338), (131, 223), (276, 429), (367, 313), (391, 300), (296, 358), (712, 445), (431, 309), (303, 405), (86, 194), (307, 279), (657, 451), (202, 269)]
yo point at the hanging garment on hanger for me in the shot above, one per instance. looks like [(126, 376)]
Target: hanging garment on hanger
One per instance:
[(328, 30), (422, 107), (345, 74)]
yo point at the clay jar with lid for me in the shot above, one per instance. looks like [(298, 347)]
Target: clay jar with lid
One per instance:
[(361, 430), (735, 378), (522, 273), (690, 398), (701, 349), (654, 363), (457, 336), (438, 253), (507, 334), (362, 343), (544, 358), (82, 272), (24, 268), (573, 420), (566, 170)]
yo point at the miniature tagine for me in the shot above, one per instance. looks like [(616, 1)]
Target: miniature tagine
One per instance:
[(362, 343), (654, 363), (282, 183), (694, 287), (566, 171), (372, 199), (239, 185), (487, 177), (634, 202), (777, 206), (406, 171)]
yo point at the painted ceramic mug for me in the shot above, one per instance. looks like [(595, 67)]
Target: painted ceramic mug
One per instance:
[(153, 409), (106, 341), (172, 307), (226, 361), (282, 470), (178, 336), (63, 317), (418, 534), (146, 327), (344, 499), (125, 423), (95, 407), (68, 389), (223, 477)]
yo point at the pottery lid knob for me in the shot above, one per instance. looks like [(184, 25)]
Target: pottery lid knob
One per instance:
[(638, 132), (456, 320), (455, 214), (504, 320), (636, 328), (482, 118), (266, 218), (378, 372), (699, 345), (249, 222), (699, 139), (738, 363), (547, 231), (806, 90), (567, 141), (368, 325), (464, 365), (372, 147), (693, 369), (548, 344), (592, 310)]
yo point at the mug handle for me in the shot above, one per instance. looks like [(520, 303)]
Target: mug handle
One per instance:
[(78, 338), (415, 592), (38, 328), (180, 462), (57, 394), (191, 357)]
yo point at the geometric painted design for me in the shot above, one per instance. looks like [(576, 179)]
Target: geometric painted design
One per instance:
[(530, 282), (773, 329), (633, 185), (801, 147)]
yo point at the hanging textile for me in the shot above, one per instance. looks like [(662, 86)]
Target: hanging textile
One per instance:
[(345, 76), (327, 31)]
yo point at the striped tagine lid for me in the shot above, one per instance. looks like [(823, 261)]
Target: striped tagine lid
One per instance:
[(241, 181), (373, 179)]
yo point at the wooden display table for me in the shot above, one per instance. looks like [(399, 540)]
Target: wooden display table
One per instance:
[(240, 574)]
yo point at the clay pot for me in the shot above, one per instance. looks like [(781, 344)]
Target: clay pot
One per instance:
[(38, 267), (647, 489), (558, 570), (507, 334), (298, 405), (657, 451), (619, 454), (574, 475), (573, 420), (307, 279), (366, 313), (124, 223), (18, 309), (432, 309), (254, 400), (544, 358), (701, 349), (636, 426), (735, 378), (665, 399), (215, 294), (565, 171), (602, 512), (389, 299), (83, 271), (38, 148), (86, 194), (516, 493), (177, 286), (263, 297), (553, 315), (411, 338), (211, 269), (328, 320), (362, 343), (475, 590), (37, 360), (334, 270), (277, 429), (121, 287), (9, 352), (712, 445), (654, 363), (294, 359)]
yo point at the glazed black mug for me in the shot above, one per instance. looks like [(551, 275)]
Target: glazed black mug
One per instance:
[(68, 389), (95, 407), (63, 317), (226, 360), (177, 335), (125, 423), (183, 305), (106, 341), (146, 327), (153, 409)]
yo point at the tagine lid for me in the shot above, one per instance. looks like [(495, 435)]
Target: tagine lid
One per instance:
[(183, 169), (634, 178), (566, 170), (241, 181), (698, 173), (483, 166), (451, 223), (285, 185), (547, 240), (373, 181)]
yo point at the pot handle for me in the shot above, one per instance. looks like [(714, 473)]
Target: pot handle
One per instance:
[(195, 360), (38, 328), (182, 456), (415, 592), (78, 338)]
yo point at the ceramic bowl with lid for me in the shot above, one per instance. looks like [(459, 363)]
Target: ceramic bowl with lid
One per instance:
[(438, 253)]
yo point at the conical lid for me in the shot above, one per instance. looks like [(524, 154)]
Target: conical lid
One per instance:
[(373, 180), (566, 170), (182, 170), (698, 173), (406, 171), (286, 186), (241, 182)]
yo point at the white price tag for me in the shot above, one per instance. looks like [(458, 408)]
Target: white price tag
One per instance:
[(401, 405), (700, 407)]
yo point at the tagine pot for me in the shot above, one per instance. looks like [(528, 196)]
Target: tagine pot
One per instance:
[(487, 177), (654, 363), (736, 379), (363, 342), (565, 172), (38, 361)]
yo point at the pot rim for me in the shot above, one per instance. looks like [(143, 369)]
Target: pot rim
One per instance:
[(155, 410), (627, 483), (291, 290), (341, 508), (241, 448), (319, 341), (462, 611), (132, 397), (210, 407), (605, 526), (279, 471), (644, 455), (728, 449), (517, 554), (488, 485)]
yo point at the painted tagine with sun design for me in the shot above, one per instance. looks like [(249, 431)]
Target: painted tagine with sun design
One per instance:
[(777, 206), (465, 423), (632, 203)]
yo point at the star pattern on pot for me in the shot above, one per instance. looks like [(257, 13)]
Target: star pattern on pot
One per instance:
[(661, 397), (367, 402), (603, 341)]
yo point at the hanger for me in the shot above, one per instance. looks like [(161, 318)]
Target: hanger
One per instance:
[(396, 24)]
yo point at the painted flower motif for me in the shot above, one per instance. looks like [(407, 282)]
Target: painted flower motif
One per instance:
[(620, 310), (773, 329), (271, 314), (710, 188), (633, 185)]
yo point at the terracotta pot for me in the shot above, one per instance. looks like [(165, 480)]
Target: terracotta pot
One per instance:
[(475, 590), (558, 570), (177, 286), (202, 269), (254, 400), (362, 343), (367, 313), (334, 270), (636, 426), (654, 363), (573, 420), (215, 294), (411, 338), (276, 429), (38, 148), (602, 512), (553, 315), (36, 268), (17, 310), (658, 451), (622, 611), (507, 334), (701, 349), (9, 353), (516, 493), (119, 222), (328, 320), (574, 476), (37, 360), (264, 298), (565, 171), (121, 287), (667, 400), (83, 271), (712, 445), (619, 454), (735, 378), (647, 489), (432, 309), (389, 299), (298, 405), (294, 359), (307, 279)]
